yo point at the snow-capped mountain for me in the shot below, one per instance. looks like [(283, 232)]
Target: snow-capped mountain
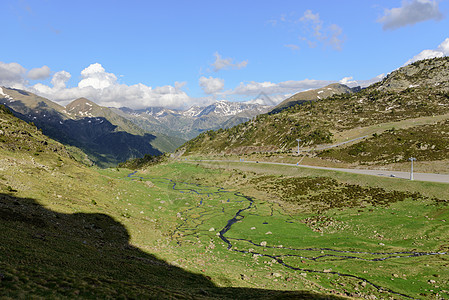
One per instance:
[(191, 122)]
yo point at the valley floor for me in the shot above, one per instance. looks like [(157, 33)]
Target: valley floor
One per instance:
[(218, 230)]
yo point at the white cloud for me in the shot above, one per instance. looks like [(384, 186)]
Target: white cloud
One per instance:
[(315, 31), (211, 85), (410, 13), (39, 73), (440, 51), (263, 99), (102, 87), (279, 91), (60, 79), (253, 88), (12, 75), (226, 63), (349, 81), (96, 77)]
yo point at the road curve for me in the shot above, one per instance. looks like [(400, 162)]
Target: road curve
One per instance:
[(442, 178)]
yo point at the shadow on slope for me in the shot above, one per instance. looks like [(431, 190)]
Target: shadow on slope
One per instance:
[(51, 254), (96, 136)]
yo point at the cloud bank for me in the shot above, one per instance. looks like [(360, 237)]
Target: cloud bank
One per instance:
[(440, 51), (104, 89), (12, 74), (410, 13), (39, 73), (211, 85)]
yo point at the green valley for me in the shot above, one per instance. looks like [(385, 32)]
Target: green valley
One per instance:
[(266, 150), (188, 229), (202, 224)]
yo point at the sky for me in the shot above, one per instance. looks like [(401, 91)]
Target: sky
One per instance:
[(177, 54)]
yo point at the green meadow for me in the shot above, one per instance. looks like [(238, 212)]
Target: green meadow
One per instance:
[(328, 235), (185, 230)]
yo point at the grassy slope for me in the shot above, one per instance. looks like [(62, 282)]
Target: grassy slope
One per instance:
[(425, 142), (311, 95), (316, 123), (339, 117), (68, 231)]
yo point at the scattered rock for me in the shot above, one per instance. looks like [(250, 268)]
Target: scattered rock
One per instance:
[(263, 244), (269, 232), (149, 184), (252, 228), (212, 229)]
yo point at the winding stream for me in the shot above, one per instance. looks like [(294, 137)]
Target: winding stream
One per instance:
[(250, 204)]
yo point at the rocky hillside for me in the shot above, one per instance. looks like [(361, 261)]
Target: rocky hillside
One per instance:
[(19, 136), (425, 143), (429, 73), (313, 95), (316, 122)]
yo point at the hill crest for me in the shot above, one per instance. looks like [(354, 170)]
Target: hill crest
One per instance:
[(312, 95)]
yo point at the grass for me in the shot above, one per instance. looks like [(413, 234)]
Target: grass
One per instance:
[(139, 231), (426, 143), (403, 224), (68, 231)]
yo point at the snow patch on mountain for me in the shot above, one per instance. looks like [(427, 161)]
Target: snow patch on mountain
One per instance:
[(6, 95)]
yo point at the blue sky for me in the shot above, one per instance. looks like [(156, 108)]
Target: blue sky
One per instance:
[(179, 53)]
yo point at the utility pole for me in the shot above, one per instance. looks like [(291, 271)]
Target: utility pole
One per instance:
[(298, 140), (412, 159)]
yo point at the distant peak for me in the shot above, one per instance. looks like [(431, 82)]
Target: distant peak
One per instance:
[(80, 103)]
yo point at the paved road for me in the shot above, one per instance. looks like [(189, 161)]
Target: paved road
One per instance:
[(392, 174)]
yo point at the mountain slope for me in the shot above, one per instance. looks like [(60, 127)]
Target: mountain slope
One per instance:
[(312, 95), (189, 123), (316, 122), (19, 136), (82, 107), (106, 137)]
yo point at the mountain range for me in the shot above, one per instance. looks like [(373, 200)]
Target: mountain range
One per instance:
[(187, 124), (107, 136)]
